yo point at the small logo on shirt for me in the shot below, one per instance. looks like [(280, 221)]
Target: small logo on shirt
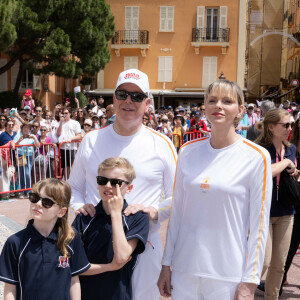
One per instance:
[(204, 184), (63, 262)]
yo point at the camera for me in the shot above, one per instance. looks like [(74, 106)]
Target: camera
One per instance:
[(197, 127)]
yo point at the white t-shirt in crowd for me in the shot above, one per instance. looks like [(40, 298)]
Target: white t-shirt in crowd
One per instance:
[(220, 194), (69, 130)]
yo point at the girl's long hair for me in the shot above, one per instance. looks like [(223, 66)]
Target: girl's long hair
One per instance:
[(60, 191), (272, 117)]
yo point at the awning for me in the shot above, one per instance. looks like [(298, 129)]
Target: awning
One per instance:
[(156, 93)]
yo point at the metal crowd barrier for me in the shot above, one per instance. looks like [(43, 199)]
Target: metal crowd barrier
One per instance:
[(67, 151), (26, 165)]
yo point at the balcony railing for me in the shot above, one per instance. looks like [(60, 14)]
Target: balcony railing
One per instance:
[(219, 35), (131, 37)]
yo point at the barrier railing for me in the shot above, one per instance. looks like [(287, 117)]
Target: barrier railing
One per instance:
[(24, 165), (67, 151)]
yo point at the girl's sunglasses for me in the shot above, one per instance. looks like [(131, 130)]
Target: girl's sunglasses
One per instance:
[(135, 96), (113, 181), (46, 202)]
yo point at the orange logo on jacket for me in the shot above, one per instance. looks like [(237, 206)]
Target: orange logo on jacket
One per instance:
[(204, 184)]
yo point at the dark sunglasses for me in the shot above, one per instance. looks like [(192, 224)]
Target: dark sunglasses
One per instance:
[(38, 111), (35, 126), (87, 125), (286, 125), (113, 181), (46, 202), (43, 130), (3, 119), (135, 96)]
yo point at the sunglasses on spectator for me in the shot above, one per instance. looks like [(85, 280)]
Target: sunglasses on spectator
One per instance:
[(46, 202), (202, 109), (87, 125), (113, 181), (80, 111), (286, 125), (37, 110), (3, 120), (103, 118), (146, 119), (35, 126), (43, 130), (28, 120), (135, 96)]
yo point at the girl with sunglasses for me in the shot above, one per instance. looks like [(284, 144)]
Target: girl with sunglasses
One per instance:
[(44, 260), (222, 188), (276, 128)]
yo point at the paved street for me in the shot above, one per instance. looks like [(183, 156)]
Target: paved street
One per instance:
[(14, 215)]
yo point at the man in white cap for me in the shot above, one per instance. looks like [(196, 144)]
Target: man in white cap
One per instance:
[(154, 159)]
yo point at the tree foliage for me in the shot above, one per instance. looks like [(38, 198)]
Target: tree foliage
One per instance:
[(8, 33), (67, 37)]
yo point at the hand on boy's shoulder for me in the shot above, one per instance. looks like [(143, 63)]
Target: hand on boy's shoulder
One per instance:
[(134, 208), (87, 209)]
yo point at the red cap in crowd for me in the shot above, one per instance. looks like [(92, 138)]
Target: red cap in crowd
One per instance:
[(28, 93)]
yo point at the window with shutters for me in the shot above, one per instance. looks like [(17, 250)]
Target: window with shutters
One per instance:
[(165, 68), (27, 80), (58, 85), (130, 62), (131, 24), (209, 74), (3, 76), (68, 85), (166, 19)]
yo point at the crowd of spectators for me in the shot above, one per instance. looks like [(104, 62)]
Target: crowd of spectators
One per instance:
[(66, 124)]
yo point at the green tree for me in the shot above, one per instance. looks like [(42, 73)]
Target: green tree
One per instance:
[(68, 37), (8, 33)]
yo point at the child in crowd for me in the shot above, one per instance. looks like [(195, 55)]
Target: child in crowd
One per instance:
[(43, 260), (111, 239)]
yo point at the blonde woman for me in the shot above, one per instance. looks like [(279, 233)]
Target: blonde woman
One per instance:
[(222, 188)]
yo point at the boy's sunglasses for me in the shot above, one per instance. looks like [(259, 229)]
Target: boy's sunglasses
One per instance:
[(46, 202), (135, 96), (113, 181), (286, 125)]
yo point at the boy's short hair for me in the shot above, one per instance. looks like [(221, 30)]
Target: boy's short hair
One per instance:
[(118, 162)]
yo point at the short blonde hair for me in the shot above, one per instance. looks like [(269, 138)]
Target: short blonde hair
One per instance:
[(229, 87), (118, 162)]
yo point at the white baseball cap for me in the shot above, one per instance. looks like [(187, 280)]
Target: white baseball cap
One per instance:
[(136, 77), (88, 121)]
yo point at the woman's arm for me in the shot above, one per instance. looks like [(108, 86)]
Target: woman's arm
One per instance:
[(36, 142), (33, 104), (75, 291), (277, 168), (10, 291)]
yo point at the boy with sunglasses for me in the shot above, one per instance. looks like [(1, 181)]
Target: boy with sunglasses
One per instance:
[(111, 239)]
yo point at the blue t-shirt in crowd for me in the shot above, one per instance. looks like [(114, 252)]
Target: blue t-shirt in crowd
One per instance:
[(6, 137)]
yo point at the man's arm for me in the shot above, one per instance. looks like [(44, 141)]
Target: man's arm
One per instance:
[(59, 128)]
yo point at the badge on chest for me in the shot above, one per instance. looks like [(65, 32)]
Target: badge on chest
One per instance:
[(63, 262)]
